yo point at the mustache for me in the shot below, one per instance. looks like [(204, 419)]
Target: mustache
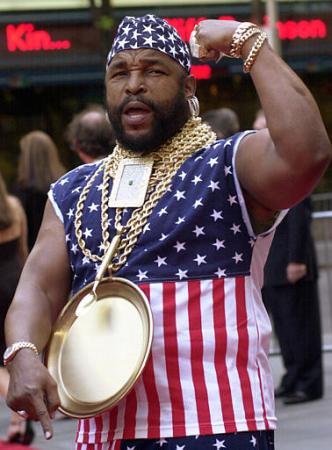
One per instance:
[(135, 98)]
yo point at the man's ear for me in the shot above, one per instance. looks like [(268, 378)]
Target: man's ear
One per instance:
[(190, 86)]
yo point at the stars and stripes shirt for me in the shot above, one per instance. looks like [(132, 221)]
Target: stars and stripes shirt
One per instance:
[(200, 264)]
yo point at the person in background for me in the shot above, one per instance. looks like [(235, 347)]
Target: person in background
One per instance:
[(290, 293), (90, 134), (13, 253), (38, 167), (260, 120), (223, 121)]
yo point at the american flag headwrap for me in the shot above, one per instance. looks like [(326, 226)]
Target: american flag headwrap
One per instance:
[(150, 31)]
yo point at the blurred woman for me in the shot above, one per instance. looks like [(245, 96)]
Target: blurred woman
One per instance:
[(39, 166), (13, 253)]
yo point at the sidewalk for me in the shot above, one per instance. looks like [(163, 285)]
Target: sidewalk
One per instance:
[(300, 427)]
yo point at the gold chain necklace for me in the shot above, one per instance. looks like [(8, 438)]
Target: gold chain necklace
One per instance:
[(167, 160)]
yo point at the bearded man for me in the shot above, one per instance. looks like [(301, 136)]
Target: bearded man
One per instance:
[(196, 244)]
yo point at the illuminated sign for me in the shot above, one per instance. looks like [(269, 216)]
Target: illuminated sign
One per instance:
[(288, 30), (24, 37), (24, 5), (43, 42)]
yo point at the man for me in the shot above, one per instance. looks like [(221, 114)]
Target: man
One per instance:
[(90, 134), (290, 293), (223, 121), (207, 382)]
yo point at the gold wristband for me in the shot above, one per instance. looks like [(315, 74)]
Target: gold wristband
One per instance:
[(13, 349), (251, 58), (243, 32)]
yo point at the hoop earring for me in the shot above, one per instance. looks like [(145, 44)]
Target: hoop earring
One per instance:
[(193, 106)]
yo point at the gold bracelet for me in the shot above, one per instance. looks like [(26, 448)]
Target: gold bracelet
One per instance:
[(251, 58), (243, 32)]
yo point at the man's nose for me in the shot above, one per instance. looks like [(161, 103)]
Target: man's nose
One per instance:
[(135, 83)]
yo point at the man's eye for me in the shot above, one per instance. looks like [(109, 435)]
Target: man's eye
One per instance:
[(155, 72), (120, 73)]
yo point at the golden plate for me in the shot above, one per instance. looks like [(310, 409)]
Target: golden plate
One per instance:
[(97, 356)]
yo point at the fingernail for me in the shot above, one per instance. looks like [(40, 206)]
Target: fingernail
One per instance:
[(52, 415), (48, 435)]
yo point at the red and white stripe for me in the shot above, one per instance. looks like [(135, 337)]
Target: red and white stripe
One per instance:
[(208, 370)]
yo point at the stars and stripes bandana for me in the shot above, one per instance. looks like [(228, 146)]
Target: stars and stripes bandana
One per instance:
[(150, 31)]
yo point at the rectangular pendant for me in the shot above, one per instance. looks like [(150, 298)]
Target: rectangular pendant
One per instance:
[(131, 183)]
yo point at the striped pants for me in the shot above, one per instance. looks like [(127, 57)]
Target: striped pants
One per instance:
[(251, 440)]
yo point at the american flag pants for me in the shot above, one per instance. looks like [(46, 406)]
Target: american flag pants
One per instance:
[(251, 440)]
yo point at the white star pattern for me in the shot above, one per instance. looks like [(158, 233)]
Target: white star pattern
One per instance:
[(180, 195), (178, 447), (162, 211), (252, 242), (163, 237), (141, 275), (200, 259), (232, 200), (146, 228), (180, 220), (235, 228), (237, 257), (101, 247), (196, 180), (220, 272), (228, 170), (85, 260), (64, 181), (87, 232), (198, 203), (213, 161), (182, 175), (253, 441), (70, 213), (219, 244), (199, 231), (160, 261), (126, 29), (149, 41), (93, 207), (214, 185), (161, 442), (74, 248), (182, 274), (179, 246), (217, 215), (219, 444)]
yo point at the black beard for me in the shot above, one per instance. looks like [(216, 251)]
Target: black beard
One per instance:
[(168, 120)]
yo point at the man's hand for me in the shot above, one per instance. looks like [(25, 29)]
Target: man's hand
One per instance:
[(32, 390), (214, 37), (295, 272)]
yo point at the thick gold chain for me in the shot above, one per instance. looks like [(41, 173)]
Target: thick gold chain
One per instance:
[(167, 160)]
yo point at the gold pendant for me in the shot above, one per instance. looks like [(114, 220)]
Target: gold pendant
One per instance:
[(131, 183)]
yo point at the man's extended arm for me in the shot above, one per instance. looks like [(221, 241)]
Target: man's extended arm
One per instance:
[(42, 291)]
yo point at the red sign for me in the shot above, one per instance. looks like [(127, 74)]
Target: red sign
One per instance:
[(288, 30), (26, 38)]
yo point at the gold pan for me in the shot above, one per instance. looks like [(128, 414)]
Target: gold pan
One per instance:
[(99, 346)]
